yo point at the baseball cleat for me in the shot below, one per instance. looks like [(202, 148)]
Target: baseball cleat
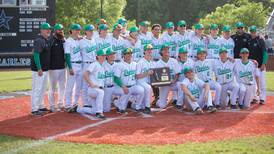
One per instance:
[(73, 108), (241, 106), (147, 110), (179, 107), (121, 111), (100, 116), (262, 102), (44, 110), (37, 113), (233, 107), (211, 109), (198, 111)]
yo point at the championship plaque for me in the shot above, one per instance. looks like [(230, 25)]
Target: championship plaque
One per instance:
[(160, 77)]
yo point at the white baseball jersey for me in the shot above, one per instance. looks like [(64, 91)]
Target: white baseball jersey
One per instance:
[(137, 49), (156, 43), (196, 42), (204, 69), (194, 87), (172, 64), (188, 63), (117, 46), (145, 38), (224, 71), (97, 74), (143, 66), (171, 41), (245, 73), (103, 43), (229, 45), (88, 49), (109, 73), (213, 46), (72, 47), (127, 72), (183, 41)]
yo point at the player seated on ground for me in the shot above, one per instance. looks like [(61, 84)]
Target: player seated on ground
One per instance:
[(197, 93), (247, 76)]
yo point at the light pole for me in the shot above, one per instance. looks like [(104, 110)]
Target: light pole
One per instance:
[(101, 11)]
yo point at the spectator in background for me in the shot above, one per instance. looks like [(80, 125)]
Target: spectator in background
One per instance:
[(268, 44)]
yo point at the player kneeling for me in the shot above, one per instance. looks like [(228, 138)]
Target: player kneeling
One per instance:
[(95, 76), (246, 73), (197, 93)]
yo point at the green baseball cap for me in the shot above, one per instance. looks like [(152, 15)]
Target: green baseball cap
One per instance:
[(240, 24), (75, 27), (252, 28), (127, 51), (187, 69), (199, 26), (214, 26), (201, 50), (58, 27), (164, 46), (110, 52), (244, 50), (144, 23), (183, 50), (89, 28), (133, 29), (122, 21), (169, 25), (222, 49), (103, 27), (117, 26), (100, 52), (100, 21), (226, 28), (45, 26), (181, 23), (148, 47)]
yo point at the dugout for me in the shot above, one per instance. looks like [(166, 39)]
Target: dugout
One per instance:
[(19, 25)]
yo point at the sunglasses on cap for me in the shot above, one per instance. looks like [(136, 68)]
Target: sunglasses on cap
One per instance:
[(245, 53), (240, 27), (182, 26)]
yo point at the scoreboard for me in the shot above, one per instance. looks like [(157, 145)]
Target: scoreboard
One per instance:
[(19, 26)]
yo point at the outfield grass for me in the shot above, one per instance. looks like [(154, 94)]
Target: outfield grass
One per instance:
[(21, 81), (249, 145)]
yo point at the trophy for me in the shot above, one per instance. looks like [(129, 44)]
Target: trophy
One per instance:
[(160, 77)]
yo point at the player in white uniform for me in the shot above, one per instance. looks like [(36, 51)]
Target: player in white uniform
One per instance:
[(169, 37), (134, 43), (117, 42), (144, 70), (126, 84), (247, 76), (182, 37), (88, 51), (197, 93), (173, 65), (224, 72), (74, 74), (227, 42), (184, 62), (103, 41), (204, 69), (144, 35), (197, 40), (95, 76), (98, 23), (213, 42), (124, 31), (156, 41)]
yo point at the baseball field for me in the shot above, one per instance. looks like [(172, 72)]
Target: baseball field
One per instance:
[(164, 131)]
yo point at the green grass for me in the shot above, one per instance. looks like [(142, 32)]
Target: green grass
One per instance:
[(21, 81), (249, 145)]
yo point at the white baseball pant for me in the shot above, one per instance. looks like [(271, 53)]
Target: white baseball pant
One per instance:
[(39, 86), (147, 94), (246, 94), (217, 87), (86, 98), (200, 102), (163, 95), (97, 96), (109, 92), (233, 86), (56, 77), (262, 83)]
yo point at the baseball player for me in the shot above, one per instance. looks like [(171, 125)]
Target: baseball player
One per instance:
[(126, 84), (88, 51), (95, 76), (73, 59), (184, 62), (103, 41), (204, 69), (124, 31), (134, 43), (213, 42), (144, 35), (117, 42), (256, 46), (143, 72), (57, 72), (197, 40), (227, 42), (197, 93), (247, 76), (168, 37), (224, 72), (173, 65), (109, 88), (182, 39), (98, 23), (39, 67), (156, 41)]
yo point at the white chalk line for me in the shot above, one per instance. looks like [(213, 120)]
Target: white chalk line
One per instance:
[(245, 112)]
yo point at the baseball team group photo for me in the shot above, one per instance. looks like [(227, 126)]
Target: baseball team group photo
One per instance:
[(137, 73)]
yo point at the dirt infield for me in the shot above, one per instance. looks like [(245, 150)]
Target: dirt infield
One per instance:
[(167, 126)]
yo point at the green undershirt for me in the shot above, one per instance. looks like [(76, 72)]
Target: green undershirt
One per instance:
[(118, 81), (265, 57), (36, 56), (68, 61)]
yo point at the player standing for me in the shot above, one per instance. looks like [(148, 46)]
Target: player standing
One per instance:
[(134, 43), (197, 40), (213, 42), (169, 37), (117, 42), (183, 37), (227, 42)]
